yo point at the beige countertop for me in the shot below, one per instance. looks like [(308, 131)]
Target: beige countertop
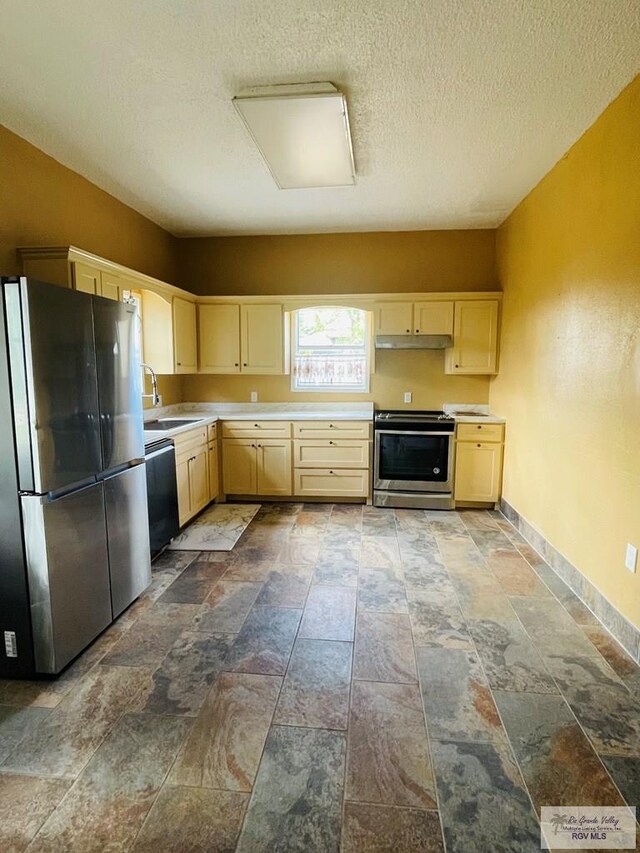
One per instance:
[(206, 413)]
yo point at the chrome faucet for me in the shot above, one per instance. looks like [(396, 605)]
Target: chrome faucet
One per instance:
[(154, 385)]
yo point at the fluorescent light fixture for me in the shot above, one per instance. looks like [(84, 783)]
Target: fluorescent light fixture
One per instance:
[(302, 132)]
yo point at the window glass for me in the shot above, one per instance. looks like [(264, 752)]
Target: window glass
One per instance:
[(330, 349)]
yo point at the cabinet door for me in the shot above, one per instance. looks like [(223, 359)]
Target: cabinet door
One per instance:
[(478, 471), (157, 332), (394, 318), (475, 338), (262, 339), (433, 318), (184, 336), (213, 471), (199, 479), (274, 467), (239, 466), (219, 338), (86, 279), (184, 494), (111, 286)]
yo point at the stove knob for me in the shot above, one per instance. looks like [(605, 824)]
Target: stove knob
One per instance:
[(436, 470)]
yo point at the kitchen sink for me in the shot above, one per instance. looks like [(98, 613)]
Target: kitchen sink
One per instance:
[(169, 423)]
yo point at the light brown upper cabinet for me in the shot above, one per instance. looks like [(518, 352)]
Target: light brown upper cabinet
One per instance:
[(86, 279), (219, 338), (99, 282), (433, 318), (394, 318), (414, 318), (184, 336), (169, 337), (475, 338), (246, 338)]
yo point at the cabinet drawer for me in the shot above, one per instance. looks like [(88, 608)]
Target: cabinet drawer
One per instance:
[(212, 432), (330, 453), (482, 431), (256, 429), (331, 429), (188, 442), (325, 482)]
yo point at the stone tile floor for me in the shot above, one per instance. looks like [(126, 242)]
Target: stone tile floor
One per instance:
[(348, 678)]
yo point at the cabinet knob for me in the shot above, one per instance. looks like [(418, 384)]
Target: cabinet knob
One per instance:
[(253, 445), (457, 365), (408, 331), (244, 363), (479, 445), (331, 426), (417, 331), (257, 426), (479, 426), (237, 364), (179, 363), (259, 445), (330, 442), (331, 472)]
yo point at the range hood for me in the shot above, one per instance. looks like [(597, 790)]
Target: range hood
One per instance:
[(413, 341)]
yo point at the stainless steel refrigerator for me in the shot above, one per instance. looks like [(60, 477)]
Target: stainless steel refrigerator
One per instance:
[(74, 534)]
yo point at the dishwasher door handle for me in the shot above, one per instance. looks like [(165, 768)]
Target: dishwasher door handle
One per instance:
[(156, 453)]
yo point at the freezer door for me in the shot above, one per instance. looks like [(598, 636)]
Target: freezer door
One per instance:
[(68, 573), (128, 536), (53, 381), (119, 382)]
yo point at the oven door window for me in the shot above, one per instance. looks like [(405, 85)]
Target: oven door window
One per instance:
[(409, 457)]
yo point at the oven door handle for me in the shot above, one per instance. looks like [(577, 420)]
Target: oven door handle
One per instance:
[(412, 432)]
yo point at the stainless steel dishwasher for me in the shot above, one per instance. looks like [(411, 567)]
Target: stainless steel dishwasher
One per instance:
[(162, 493)]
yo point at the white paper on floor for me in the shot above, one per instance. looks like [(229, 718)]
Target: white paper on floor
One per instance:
[(217, 529)]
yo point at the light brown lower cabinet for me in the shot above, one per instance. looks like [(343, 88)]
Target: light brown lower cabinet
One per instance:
[(478, 471), (192, 472), (214, 479), (253, 466), (330, 482)]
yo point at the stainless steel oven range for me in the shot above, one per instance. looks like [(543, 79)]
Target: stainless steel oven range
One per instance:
[(413, 459)]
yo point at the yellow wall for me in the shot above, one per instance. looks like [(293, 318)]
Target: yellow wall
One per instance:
[(383, 262), (42, 203), (397, 371), (569, 382), (372, 262)]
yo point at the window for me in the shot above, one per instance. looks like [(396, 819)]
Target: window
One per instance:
[(330, 349)]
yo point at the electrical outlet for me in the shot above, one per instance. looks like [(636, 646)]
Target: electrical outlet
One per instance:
[(632, 557), (407, 396), (254, 396)]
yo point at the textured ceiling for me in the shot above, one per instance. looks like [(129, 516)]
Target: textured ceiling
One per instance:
[(458, 107)]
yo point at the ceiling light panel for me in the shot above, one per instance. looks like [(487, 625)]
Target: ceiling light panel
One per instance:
[(302, 135)]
